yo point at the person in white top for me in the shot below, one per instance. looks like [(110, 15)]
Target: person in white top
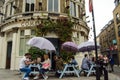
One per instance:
[(24, 63)]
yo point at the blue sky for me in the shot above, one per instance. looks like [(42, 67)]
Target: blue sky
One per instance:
[(103, 12)]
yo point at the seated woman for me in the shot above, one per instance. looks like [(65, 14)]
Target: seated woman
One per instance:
[(37, 64), (73, 61), (46, 65)]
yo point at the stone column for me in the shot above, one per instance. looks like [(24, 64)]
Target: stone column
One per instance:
[(13, 52), (3, 49)]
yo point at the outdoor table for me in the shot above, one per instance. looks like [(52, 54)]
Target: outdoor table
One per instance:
[(34, 66), (66, 70), (91, 70)]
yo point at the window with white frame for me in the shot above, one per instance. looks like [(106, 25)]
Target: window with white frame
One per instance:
[(23, 47), (29, 5), (53, 5), (72, 9)]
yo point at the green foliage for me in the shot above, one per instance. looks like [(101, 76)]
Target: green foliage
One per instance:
[(61, 27), (36, 52), (66, 55)]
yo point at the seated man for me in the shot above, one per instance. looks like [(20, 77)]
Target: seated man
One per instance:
[(86, 63), (24, 63)]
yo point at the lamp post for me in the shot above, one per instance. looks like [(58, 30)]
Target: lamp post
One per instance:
[(94, 31)]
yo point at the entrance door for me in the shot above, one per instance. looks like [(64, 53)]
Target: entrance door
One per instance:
[(56, 43), (8, 57)]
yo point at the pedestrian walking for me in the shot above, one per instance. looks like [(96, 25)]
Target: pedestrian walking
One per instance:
[(111, 62)]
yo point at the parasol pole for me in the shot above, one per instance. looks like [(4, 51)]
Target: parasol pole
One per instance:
[(94, 31)]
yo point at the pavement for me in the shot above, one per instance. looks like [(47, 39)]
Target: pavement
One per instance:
[(6, 74)]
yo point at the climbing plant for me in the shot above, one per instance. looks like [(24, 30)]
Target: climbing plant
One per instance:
[(36, 52), (62, 27)]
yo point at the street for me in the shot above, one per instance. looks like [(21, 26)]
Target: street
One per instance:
[(6, 74)]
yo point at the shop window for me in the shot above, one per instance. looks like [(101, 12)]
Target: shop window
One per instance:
[(53, 5), (72, 9), (29, 5)]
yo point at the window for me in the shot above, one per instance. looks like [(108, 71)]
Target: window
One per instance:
[(119, 33), (72, 9), (119, 28), (116, 2), (9, 9), (53, 5), (117, 18), (77, 35), (23, 48), (29, 5), (79, 11), (6, 9), (1, 19)]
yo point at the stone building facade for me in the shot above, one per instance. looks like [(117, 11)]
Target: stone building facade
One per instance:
[(107, 40), (19, 17), (116, 17)]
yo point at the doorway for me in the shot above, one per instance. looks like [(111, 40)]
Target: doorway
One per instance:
[(8, 56)]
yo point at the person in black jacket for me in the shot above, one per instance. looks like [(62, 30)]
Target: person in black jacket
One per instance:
[(101, 64), (111, 62)]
